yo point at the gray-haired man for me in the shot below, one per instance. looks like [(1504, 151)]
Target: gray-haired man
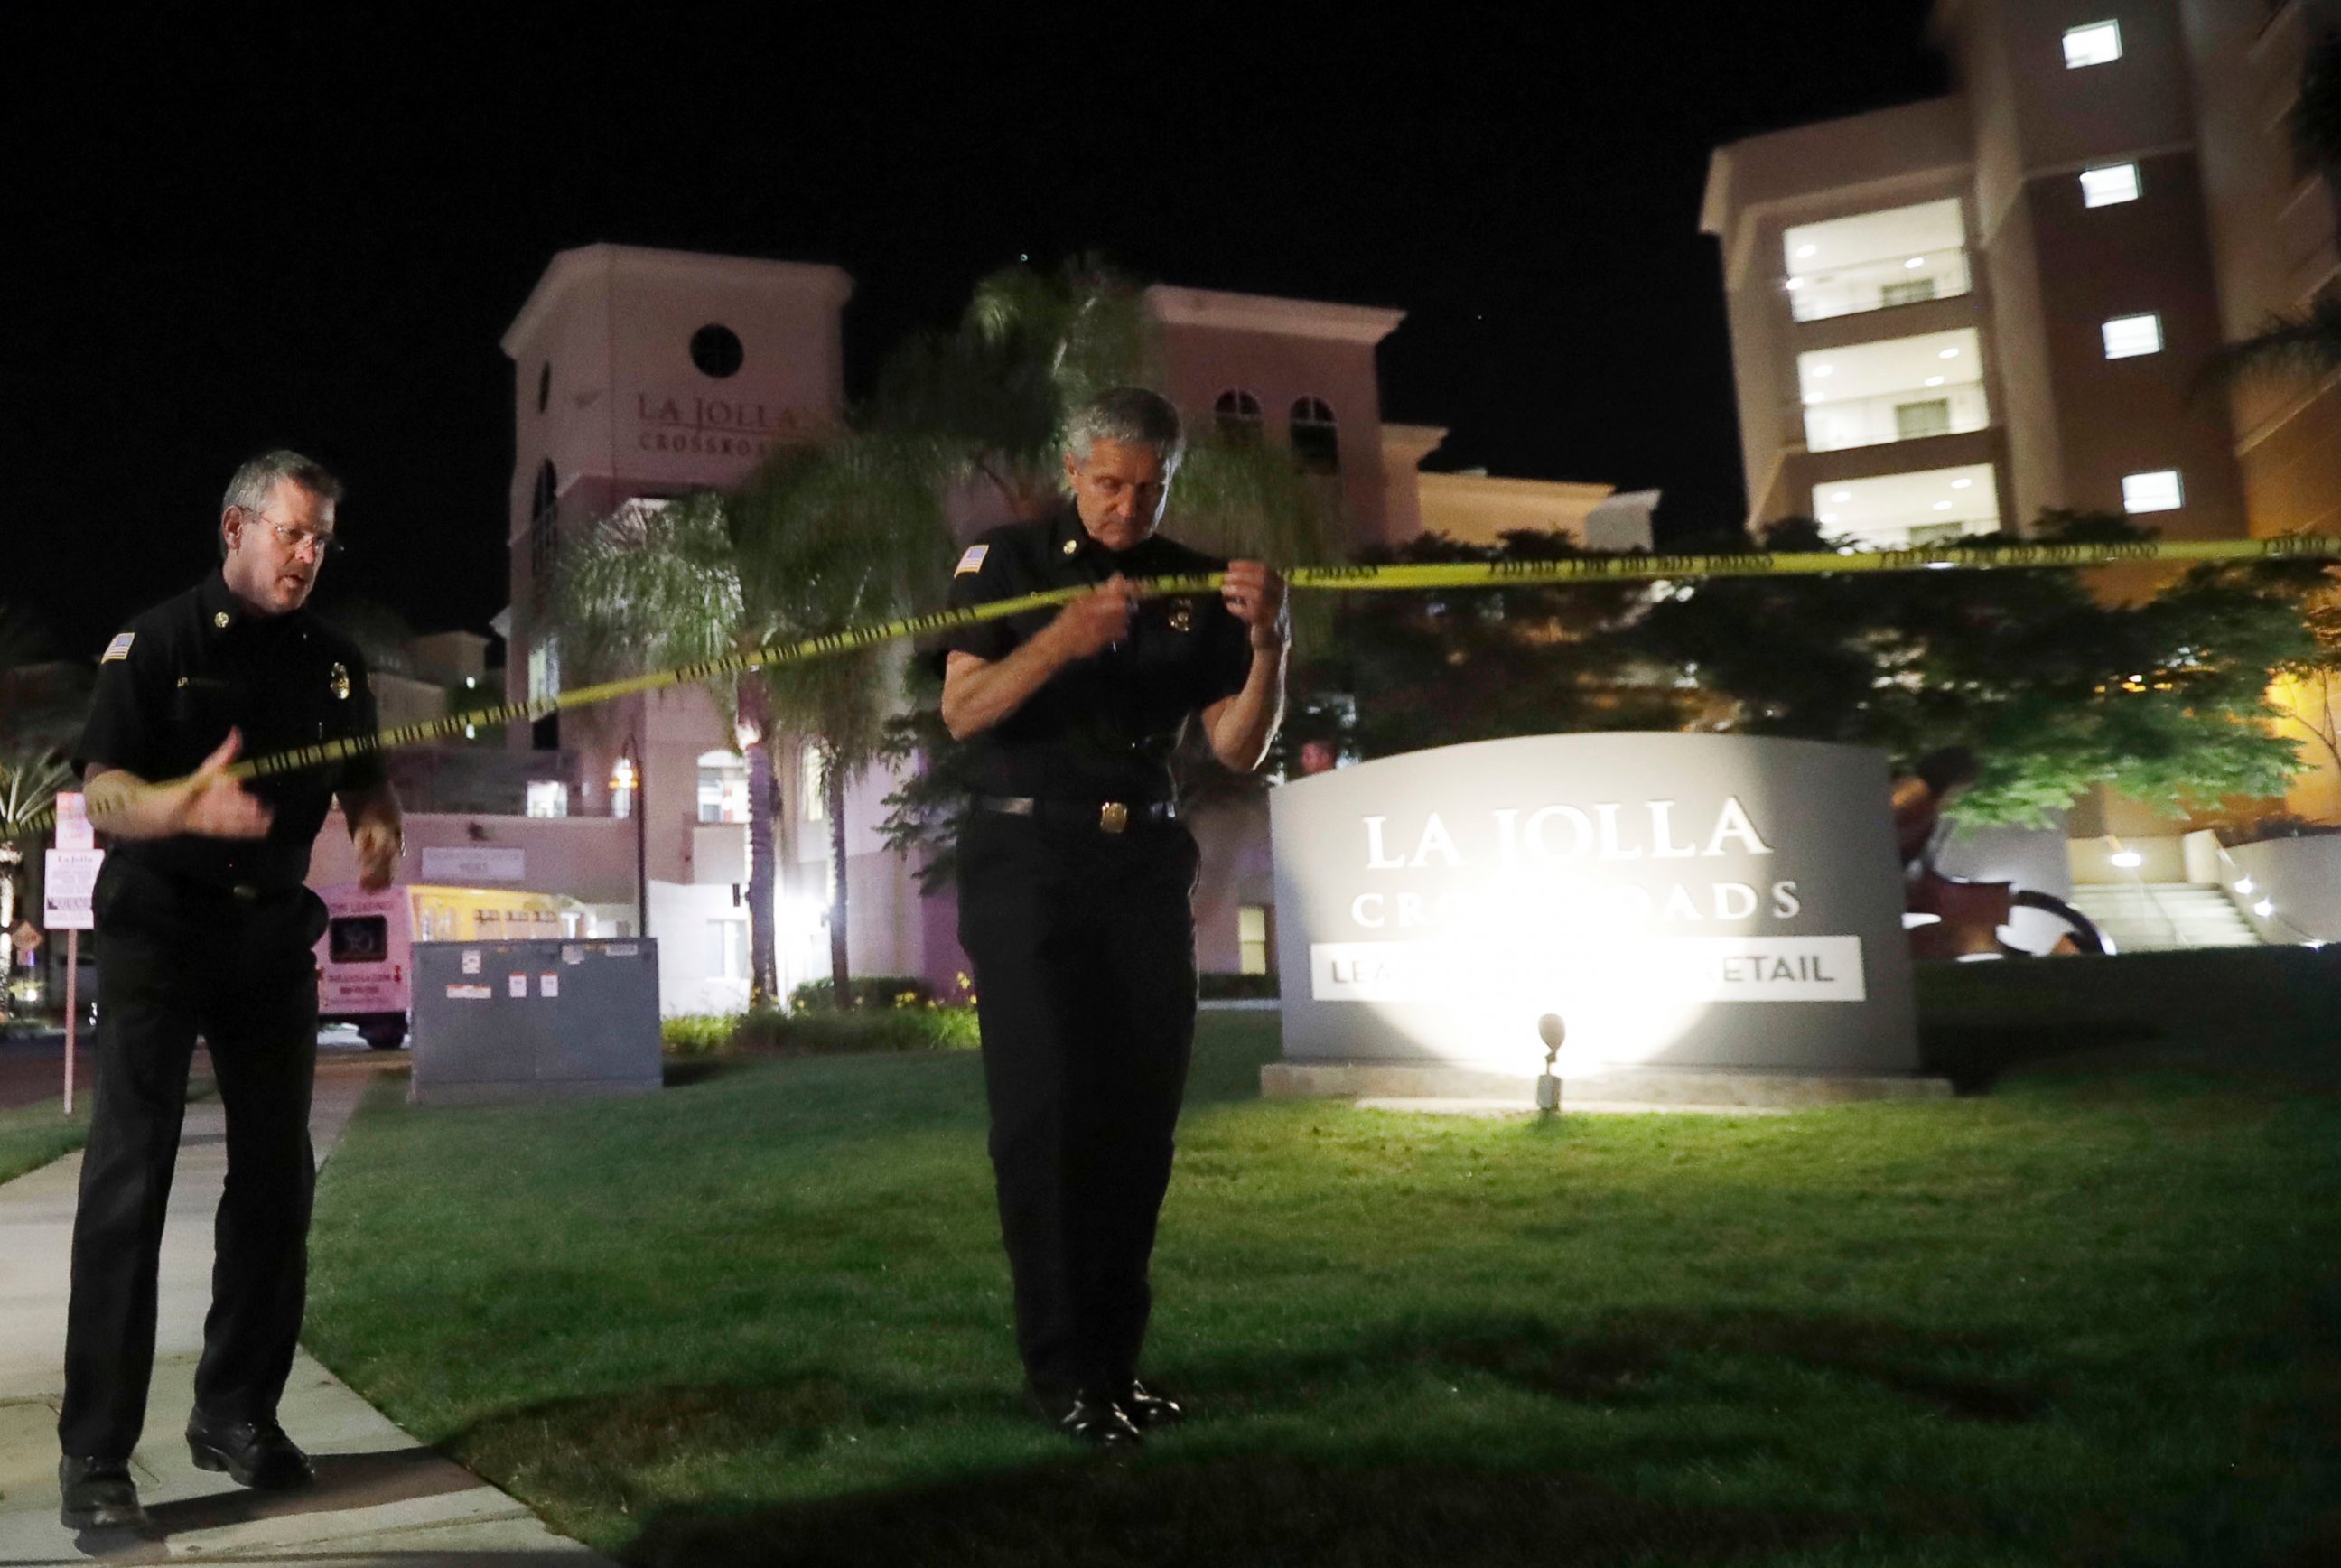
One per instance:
[(1074, 879), (203, 925)]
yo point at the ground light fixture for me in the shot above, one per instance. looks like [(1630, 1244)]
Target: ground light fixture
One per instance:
[(1553, 1033)]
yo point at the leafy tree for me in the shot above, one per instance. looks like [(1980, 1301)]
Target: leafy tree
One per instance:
[(2055, 691)]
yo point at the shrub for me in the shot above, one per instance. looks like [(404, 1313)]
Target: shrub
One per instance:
[(697, 1034), (2273, 824), (867, 990), (823, 1032)]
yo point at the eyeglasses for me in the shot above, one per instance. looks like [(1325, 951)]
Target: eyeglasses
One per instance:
[(320, 545)]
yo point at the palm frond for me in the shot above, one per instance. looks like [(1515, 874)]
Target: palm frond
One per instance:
[(647, 588), (2304, 348)]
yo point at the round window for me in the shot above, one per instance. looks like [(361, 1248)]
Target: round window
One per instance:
[(716, 350)]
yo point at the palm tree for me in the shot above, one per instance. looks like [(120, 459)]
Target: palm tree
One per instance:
[(991, 398), (652, 587), (2304, 349), (827, 537)]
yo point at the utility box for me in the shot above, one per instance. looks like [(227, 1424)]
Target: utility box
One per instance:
[(496, 1021)]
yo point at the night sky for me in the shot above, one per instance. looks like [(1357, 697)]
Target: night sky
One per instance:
[(312, 232)]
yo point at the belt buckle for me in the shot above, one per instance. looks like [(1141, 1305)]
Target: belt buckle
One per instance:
[(1113, 816)]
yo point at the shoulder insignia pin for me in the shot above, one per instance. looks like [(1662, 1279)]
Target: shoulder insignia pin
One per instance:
[(1071, 545), (220, 619), (340, 681), (119, 648), (1182, 619)]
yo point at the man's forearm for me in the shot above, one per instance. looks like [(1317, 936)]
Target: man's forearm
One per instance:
[(978, 692), (125, 806), (1242, 725)]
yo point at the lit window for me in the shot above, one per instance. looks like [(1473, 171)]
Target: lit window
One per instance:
[(813, 784), (2128, 337), (1237, 413), (547, 797), (1251, 939), (2160, 492), (2109, 186), (722, 787), (1315, 441), (2098, 43)]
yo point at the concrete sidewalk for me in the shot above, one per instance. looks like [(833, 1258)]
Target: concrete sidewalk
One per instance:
[(381, 1497)]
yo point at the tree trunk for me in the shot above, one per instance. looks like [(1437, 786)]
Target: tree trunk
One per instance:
[(761, 860), (833, 791)]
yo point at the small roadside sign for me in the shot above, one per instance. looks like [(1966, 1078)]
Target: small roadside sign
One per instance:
[(73, 831), (70, 878), (27, 936)]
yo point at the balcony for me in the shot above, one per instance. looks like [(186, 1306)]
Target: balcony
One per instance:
[(1903, 511), (1907, 255), (1904, 389)]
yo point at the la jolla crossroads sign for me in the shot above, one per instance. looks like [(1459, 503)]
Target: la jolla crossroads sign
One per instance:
[(1681, 901)]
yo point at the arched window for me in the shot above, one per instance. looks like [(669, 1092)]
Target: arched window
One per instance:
[(543, 535), (1237, 413), (1316, 443), (722, 787)]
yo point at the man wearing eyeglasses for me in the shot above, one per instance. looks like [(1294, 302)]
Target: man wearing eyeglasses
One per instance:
[(205, 926)]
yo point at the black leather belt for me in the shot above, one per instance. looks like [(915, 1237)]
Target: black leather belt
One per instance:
[(1105, 815)]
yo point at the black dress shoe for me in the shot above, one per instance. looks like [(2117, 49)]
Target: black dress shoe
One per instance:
[(255, 1454), (1149, 1411), (99, 1495), (1096, 1419)]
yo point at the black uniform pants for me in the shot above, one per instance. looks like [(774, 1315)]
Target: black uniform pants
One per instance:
[(1083, 944), (175, 959)]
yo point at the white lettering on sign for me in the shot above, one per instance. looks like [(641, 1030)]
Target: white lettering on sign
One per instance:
[(474, 862), (1681, 968), (469, 993), (1559, 832)]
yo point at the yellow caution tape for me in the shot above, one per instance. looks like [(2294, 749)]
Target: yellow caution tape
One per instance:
[(1604, 568)]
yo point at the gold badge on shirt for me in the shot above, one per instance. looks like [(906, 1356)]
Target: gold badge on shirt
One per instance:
[(340, 681), (1182, 619)]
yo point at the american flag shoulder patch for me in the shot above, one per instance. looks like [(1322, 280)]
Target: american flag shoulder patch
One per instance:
[(972, 560), (117, 649)]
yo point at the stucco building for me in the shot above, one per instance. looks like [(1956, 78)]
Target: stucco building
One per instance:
[(643, 373)]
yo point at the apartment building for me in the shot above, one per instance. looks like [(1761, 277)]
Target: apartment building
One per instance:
[(1949, 316)]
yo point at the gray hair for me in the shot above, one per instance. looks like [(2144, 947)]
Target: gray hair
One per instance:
[(1127, 416), (256, 480)]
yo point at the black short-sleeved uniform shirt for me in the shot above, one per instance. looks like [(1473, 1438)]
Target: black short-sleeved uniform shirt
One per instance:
[(1102, 728), (180, 676)]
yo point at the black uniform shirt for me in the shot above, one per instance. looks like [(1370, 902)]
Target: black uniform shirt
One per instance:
[(1102, 728), (171, 687)]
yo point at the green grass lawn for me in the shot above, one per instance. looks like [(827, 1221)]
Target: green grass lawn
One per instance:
[(2089, 1317), (31, 1136)]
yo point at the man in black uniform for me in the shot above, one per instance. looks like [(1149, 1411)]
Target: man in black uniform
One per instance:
[(1074, 879), (204, 924)]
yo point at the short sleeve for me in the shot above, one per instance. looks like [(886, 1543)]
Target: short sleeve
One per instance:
[(366, 770), (1226, 662), (125, 708), (979, 578)]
